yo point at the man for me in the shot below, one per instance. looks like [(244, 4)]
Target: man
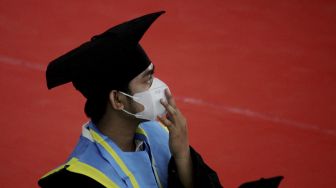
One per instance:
[(123, 145)]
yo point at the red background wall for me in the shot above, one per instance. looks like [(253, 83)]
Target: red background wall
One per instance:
[(256, 80)]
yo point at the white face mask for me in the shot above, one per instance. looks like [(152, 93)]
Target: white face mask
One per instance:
[(150, 99)]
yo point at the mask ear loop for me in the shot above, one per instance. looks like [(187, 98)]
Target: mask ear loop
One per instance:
[(130, 96), (127, 112)]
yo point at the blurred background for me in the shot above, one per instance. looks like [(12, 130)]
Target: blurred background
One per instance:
[(256, 80)]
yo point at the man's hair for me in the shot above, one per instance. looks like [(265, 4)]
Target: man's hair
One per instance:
[(95, 107)]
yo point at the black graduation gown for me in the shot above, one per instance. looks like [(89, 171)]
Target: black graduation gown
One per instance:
[(203, 176)]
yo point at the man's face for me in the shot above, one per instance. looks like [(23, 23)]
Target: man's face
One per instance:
[(141, 83)]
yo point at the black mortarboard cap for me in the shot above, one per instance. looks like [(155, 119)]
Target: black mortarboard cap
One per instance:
[(108, 61)]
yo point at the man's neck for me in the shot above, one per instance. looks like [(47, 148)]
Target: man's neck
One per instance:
[(120, 130)]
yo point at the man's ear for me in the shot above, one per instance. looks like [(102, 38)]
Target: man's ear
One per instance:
[(115, 100)]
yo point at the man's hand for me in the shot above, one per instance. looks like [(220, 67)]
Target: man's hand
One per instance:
[(177, 126), (178, 139)]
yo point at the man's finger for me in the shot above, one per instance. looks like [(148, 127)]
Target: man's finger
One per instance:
[(170, 98), (166, 122), (169, 108)]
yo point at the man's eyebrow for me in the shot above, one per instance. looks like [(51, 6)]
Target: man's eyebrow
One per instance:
[(149, 72)]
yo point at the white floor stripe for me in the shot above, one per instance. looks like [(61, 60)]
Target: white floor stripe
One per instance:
[(15, 61), (258, 115), (199, 102)]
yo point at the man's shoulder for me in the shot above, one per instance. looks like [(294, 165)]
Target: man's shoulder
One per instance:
[(64, 178), (75, 173)]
